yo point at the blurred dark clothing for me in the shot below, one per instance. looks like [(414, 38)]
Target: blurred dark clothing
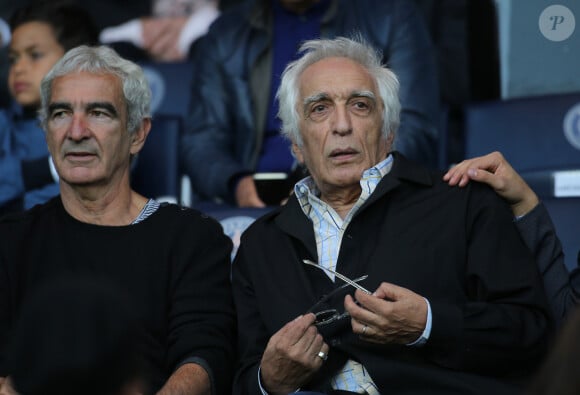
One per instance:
[(447, 24), (174, 266), (75, 335)]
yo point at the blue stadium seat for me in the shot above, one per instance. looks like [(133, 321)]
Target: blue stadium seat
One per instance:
[(156, 171), (534, 134), (540, 137), (170, 84), (157, 168), (234, 220)]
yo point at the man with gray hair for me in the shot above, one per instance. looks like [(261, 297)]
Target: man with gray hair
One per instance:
[(447, 297), (172, 261)]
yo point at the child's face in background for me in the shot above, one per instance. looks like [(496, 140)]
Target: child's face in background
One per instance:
[(33, 51)]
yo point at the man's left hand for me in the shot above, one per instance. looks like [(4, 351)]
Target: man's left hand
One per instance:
[(391, 315)]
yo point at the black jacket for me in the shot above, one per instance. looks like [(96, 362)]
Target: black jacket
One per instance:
[(456, 247)]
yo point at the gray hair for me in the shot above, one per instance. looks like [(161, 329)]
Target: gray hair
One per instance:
[(102, 60), (355, 49)]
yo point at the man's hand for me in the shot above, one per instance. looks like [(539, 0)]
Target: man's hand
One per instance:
[(6, 387), (391, 315), (292, 356), (494, 170), (161, 37), (247, 194)]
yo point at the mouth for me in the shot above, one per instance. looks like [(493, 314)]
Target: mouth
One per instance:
[(80, 156), (342, 154), (19, 87)]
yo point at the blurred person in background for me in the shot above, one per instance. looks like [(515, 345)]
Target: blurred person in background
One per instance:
[(233, 130), (41, 33), (4, 41), (163, 30), (533, 222)]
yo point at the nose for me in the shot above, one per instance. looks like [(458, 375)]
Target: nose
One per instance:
[(78, 128), (342, 123), (18, 65)]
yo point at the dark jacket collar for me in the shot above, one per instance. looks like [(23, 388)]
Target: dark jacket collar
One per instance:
[(404, 170), (292, 220)]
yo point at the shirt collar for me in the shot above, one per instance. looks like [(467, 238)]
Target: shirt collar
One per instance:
[(370, 179)]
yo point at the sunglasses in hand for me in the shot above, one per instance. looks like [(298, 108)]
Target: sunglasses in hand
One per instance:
[(329, 320)]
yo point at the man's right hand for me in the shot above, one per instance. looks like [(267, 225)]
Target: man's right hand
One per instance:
[(292, 356), (247, 194), (494, 170)]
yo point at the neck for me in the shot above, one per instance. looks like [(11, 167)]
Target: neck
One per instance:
[(342, 199), (98, 206)]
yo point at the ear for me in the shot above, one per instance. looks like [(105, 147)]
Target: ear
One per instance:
[(138, 138), (391, 138), (297, 152), (389, 141)]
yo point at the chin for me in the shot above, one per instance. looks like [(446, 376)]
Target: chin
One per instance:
[(80, 177), (26, 102)]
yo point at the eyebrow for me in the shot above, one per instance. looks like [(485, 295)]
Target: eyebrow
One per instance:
[(367, 94), (104, 105), (58, 106), (315, 98), (324, 96), (31, 47), (88, 107)]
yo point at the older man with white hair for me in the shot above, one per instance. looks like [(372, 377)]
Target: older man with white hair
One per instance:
[(376, 277)]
